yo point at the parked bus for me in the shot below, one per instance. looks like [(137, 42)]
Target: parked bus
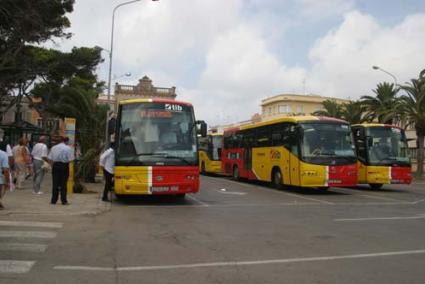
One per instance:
[(156, 148), (210, 148), (382, 153), (305, 151)]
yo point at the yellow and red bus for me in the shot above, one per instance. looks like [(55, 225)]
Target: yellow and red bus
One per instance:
[(383, 156), (156, 148), (210, 148), (304, 151)]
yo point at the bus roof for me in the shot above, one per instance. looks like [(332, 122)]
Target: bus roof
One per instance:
[(135, 101), (366, 125), (294, 119)]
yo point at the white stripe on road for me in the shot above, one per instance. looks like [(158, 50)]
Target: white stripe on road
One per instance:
[(239, 263), (14, 266), (197, 200), (31, 224), (27, 234), (224, 191), (23, 247), (303, 197), (381, 218), (383, 198)]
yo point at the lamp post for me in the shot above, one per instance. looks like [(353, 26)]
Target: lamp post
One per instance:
[(379, 68), (112, 41)]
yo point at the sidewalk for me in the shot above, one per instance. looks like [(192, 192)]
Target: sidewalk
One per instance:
[(24, 202)]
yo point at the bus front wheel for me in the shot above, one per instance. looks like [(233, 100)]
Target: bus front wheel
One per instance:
[(236, 173), (277, 179), (375, 186), (203, 168)]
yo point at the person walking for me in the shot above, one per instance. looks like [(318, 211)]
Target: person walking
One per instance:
[(22, 159), (4, 174), (39, 156), (60, 155), (107, 162)]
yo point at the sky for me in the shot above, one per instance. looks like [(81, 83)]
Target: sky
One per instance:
[(226, 56)]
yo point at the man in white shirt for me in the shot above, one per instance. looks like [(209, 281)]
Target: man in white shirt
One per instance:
[(60, 155), (107, 161), (39, 156)]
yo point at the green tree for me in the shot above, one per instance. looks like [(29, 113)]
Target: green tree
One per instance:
[(353, 112), (24, 23), (383, 106), (330, 108), (69, 88), (413, 105)]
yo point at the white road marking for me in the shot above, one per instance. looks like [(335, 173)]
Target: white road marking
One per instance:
[(31, 224), (418, 201), (303, 197), (383, 198), (27, 234), (14, 266), (240, 263), (230, 192), (380, 218), (283, 192), (23, 247), (203, 204)]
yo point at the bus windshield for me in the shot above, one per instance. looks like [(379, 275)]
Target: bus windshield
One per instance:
[(156, 134), (387, 145), (324, 143)]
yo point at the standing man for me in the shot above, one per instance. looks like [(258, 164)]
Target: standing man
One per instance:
[(60, 155), (4, 173), (107, 161), (39, 155)]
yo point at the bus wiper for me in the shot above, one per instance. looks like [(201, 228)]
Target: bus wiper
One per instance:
[(133, 159), (167, 156)]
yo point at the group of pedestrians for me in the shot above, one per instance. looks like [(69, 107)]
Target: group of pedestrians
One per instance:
[(18, 162)]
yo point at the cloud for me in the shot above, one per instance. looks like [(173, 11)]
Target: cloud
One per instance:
[(342, 60), (317, 10), (226, 58)]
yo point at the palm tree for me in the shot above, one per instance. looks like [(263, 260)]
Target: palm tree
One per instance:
[(413, 105), (384, 106), (330, 108), (353, 112)]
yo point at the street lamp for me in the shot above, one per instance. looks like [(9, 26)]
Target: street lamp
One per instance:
[(112, 42), (379, 68)]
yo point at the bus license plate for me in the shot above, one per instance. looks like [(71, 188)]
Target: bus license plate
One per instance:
[(164, 188)]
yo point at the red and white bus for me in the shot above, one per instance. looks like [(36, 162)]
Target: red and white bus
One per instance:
[(305, 151), (156, 148)]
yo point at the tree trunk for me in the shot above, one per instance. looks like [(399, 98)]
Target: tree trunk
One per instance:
[(420, 157)]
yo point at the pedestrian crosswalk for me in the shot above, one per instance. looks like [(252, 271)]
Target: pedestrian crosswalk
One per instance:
[(21, 242)]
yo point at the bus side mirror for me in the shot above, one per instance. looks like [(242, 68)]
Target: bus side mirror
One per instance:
[(203, 128), (111, 126)]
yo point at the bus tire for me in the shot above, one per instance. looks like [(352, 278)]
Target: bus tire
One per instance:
[(277, 179), (181, 195), (235, 173), (376, 186), (203, 168)]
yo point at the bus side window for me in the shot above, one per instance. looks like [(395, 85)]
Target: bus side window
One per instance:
[(277, 135), (264, 136), (290, 138)]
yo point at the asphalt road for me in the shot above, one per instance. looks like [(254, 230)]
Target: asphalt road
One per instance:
[(230, 232)]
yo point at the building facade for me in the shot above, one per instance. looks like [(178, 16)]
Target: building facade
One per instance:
[(292, 104)]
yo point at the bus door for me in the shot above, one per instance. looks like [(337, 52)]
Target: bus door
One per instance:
[(360, 140), (291, 143), (247, 144)]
